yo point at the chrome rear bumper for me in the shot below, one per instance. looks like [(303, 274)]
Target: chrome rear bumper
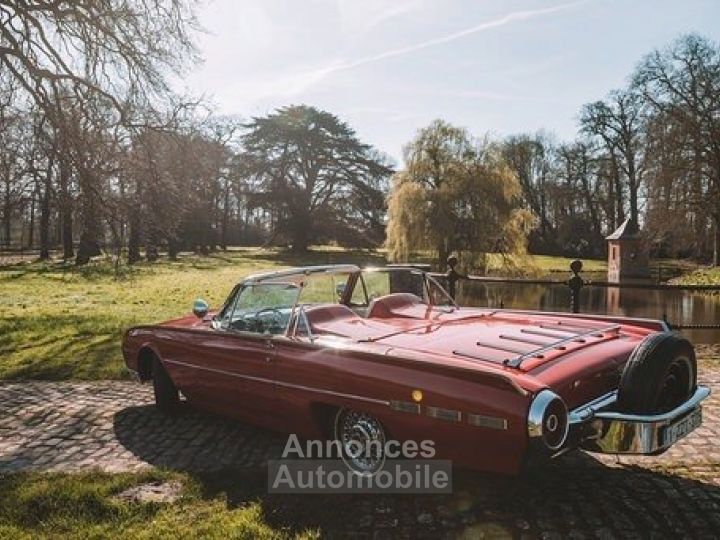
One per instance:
[(598, 428)]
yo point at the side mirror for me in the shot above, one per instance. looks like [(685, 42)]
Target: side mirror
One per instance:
[(200, 308)]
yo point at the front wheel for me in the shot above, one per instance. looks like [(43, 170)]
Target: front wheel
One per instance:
[(167, 397)]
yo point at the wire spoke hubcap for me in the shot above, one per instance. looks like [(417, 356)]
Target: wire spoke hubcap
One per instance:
[(363, 441)]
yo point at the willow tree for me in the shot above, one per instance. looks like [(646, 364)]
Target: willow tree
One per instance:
[(455, 195)]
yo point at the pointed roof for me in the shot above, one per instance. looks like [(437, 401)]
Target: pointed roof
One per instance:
[(628, 230)]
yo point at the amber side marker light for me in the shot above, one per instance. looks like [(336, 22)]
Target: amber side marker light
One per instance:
[(417, 395)]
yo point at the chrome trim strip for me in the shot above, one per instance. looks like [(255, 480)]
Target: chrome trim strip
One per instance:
[(281, 383), (492, 422), (405, 406), (450, 415)]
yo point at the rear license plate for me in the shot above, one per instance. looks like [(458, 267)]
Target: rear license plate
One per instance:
[(678, 430)]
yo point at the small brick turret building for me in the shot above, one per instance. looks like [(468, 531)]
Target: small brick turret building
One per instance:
[(627, 256)]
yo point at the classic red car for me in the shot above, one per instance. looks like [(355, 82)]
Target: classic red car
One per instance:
[(367, 354)]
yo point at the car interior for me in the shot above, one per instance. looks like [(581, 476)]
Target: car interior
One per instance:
[(324, 308)]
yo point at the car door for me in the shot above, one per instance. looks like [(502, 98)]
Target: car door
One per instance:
[(231, 368)]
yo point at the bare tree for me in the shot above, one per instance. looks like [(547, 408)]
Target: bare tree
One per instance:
[(683, 83), (530, 157), (619, 123), (111, 50)]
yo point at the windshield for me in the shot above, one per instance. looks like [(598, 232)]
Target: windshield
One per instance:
[(378, 282), (324, 288), (260, 308)]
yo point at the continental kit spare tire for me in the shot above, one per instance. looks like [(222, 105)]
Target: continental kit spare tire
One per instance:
[(660, 375)]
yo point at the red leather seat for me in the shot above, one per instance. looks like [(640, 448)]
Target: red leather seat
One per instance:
[(317, 316), (384, 307)]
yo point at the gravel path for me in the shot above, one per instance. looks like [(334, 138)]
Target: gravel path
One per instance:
[(113, 426)]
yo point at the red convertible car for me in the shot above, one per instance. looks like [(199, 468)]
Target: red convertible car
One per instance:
[(364, 355)]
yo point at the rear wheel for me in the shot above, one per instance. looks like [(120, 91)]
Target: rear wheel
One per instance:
[(362, 440), (167, 397), (660, 375)]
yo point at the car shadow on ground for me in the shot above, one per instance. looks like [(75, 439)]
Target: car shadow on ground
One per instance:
[(575, 496)]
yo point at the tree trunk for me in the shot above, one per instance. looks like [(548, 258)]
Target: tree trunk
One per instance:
[(173, 248), (134, 236), (45, 212), (443, 254), (225, 217), (7, 211), (619, 195), (716, 239), (300, 233), (45, 222), (151, 242), (89, 245), (31, 231), (151, 252), (66, 210), (633, 189)]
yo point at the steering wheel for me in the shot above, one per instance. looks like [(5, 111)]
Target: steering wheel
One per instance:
[(274, 322)]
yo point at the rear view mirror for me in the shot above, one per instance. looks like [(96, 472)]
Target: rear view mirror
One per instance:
[(200, 308), (340, 290)]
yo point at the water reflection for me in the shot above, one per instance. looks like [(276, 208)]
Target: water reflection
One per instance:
[(680, 307)]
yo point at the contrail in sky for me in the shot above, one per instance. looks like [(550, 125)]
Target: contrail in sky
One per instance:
[(315, 76)]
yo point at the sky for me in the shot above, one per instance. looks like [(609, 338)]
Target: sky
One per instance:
[(390, 67)]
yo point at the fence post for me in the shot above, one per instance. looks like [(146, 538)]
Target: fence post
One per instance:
[(452, 275), (575, 283)]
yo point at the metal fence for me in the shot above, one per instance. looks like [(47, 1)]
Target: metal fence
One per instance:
[(575, 283)]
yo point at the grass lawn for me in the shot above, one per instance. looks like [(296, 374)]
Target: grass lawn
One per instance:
[(52, 505), (702, 276), (62, 322)]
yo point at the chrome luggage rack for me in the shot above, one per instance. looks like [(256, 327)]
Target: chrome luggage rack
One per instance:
[(571, 333)]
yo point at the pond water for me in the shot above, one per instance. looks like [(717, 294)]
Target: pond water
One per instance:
[(680, 306)]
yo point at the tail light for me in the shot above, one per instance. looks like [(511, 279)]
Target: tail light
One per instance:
[(548, 422)]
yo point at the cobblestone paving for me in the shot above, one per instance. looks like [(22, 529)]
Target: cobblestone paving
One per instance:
[(113, 426)]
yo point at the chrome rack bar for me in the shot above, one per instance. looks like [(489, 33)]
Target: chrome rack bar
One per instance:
[(474, 356), (541, 333), (499, 347), (560, 326), (518, 360), (521, 339)]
